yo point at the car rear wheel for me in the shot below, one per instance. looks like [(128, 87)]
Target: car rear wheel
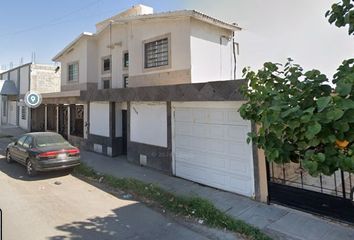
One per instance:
[(31, 171), (8, 157)]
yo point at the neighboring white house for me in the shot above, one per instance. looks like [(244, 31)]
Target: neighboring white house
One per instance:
[(139, 48), (152, 86), (27, 77)]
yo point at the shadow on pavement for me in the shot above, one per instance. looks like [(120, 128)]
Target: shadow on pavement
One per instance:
[(18, 171), (133, 221)]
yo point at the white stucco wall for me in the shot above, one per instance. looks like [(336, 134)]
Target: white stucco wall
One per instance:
[(14, 76), (12, 112), (180, 43), (4, 76), (99, 118), (24, 79), (92, 71), (211, 55), (197, 49), (78, 54), (120, 40), (148, 123), (23, 123)]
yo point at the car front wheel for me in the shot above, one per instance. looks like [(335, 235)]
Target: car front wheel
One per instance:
[(31, 171), (8, 157)]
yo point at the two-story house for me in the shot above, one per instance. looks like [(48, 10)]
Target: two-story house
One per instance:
[(160, 88), (18, 81)]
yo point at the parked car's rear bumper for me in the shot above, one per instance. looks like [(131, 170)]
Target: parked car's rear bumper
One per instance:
[(53, 164)]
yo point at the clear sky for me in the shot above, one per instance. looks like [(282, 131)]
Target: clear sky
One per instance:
[(272, 30)]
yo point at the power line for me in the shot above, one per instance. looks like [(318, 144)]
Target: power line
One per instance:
[(54, 21)]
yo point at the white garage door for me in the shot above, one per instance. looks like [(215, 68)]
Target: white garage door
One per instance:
[(12, 112), (210, 146)]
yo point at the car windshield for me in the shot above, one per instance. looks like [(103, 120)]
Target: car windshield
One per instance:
[(50, 140)]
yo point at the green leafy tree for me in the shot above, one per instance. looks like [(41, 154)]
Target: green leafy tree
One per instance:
[(301, 117), (342, 14)]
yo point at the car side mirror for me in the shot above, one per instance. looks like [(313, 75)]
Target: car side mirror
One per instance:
[(15, 143)]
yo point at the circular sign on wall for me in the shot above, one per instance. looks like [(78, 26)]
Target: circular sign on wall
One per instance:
[(33, 99)]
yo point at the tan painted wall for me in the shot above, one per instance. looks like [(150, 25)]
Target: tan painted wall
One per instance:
[(44, 79), (164, 78)]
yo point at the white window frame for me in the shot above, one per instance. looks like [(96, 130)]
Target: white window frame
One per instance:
[(123, 60), (103, 59), (78, 72), (169, 59)]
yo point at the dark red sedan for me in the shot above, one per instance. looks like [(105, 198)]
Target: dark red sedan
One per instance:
[(43, 151)]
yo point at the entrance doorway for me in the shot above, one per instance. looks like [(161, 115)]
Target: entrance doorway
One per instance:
[(124, 132)]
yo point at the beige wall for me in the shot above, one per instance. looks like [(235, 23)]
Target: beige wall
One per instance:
[(14, 76), (180, 44), (24, 79), (211, 54), (78, 53), (44, 78), (197, 53)]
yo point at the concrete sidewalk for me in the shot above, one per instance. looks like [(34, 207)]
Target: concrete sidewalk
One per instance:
[(278, 222)]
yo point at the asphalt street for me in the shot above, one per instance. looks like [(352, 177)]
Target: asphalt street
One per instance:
[(58, 206)]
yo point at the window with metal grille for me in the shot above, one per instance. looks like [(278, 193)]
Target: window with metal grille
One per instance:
[(125, 80), (23, 112), (156, 53), (73, 70), (126, 60), (106, 64), (106, 83)]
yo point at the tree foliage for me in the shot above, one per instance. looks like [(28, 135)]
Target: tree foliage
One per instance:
[(302, 118), (342, 14)]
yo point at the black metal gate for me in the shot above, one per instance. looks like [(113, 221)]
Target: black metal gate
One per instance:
[(289, 184)]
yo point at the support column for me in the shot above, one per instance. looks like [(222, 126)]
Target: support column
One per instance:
[(57, 118), (68, 109), (45, 118)]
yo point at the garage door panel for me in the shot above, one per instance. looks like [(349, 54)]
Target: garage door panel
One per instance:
[(184, 115), (210, 147), (194, 143), (226, 132), (221, 162), (234, 117), (209, 116), (215, 179)]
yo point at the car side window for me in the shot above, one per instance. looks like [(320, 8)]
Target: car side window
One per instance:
[(21, 140), (27, 143)]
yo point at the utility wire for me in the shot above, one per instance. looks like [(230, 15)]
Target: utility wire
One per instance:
[(54, 21)]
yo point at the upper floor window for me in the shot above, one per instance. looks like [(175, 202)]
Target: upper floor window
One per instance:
[(156, 53), (73, 70), (125, 60), (106, 64), (125, 80), (106, 83)]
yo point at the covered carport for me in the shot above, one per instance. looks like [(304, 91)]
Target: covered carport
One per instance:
[(8, 93), (66, 114)]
